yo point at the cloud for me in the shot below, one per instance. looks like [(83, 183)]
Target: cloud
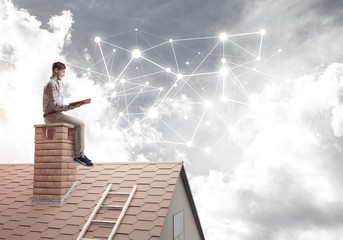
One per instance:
[(27, 53), (288, 185)]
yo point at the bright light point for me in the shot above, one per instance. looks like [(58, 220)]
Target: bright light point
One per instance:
[(121, 114), (185, 117), (208, 123), (223, 98), (170, 40), (88, 69), (122, 80), (187, 63), (280, 50), (97, 39), (223, 60), (254, 69), (152, 113), (147, 83), (208, 150), (224, 71), (262, 32), (132, 144), (137, 68), (161, 89), (175, 85), (199, 53), (258, 58), (136, 53), (136, 29), (114, 50), (179, 76), (208, 104), (168, 69), (111, 85), (223, 36), (189, 144), (174, 104)]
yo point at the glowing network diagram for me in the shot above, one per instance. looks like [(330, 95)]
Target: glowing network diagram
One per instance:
[(188, 92)]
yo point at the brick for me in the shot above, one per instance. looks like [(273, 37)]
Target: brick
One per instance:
[(51, 159), (56, 171), (57, 197), (55, 165), (56, 178)]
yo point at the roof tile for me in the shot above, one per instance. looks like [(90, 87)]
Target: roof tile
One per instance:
[(51, 233), (143, 220)]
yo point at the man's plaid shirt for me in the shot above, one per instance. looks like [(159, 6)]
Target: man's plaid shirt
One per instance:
[(53, 97)]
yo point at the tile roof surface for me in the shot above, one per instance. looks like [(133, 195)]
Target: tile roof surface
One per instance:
[(144, 219)]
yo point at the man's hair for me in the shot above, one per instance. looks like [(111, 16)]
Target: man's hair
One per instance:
[(58, 65)]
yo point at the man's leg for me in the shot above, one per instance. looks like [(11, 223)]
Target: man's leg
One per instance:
[(79, 130)]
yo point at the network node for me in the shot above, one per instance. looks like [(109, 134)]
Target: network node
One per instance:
[(179, 76), (185, 117), (171, 40), (175, 85), (262, 32), (136, 53), (258, 58), (254, 69), (161, 89), (122, 80), (111, 85), (168, 69), (133, 144), (152, 113), (208, 104), (280, 50), (223, 98), (121, 114), (208, 123), (147, 83), (224, 71), (114, 50), (136, 29), (223, 60), (208, 150), (97, 39), (187, 63), (223, 36), (189, 144), (88, 69)]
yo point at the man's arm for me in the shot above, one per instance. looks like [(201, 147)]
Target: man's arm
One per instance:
[(54, 101)]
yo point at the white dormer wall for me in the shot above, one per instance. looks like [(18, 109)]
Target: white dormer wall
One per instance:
[(178, 203)]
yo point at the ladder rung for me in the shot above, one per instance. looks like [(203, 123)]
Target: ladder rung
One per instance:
[(119, 193), (103, 221), (111, 206)]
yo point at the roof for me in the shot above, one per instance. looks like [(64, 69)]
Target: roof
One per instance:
[(144, 219)]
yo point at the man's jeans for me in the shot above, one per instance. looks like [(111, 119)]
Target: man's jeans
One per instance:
[(79, 130)]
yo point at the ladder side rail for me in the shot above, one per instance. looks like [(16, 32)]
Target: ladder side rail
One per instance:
[(91, 217), (122, 214)]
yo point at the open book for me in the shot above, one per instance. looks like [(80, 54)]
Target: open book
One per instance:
[(86, 101)]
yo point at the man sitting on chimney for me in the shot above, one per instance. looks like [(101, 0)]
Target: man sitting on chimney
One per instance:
[(53, 107)]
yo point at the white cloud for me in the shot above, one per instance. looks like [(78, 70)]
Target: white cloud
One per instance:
[(288, 186), (27, 53)]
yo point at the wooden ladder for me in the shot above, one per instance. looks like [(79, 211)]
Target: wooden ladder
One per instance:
[(100, 205)]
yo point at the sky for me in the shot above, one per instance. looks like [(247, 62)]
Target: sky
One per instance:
[(247, 93)]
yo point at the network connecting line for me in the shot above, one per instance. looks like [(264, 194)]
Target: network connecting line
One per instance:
[(178, 86)]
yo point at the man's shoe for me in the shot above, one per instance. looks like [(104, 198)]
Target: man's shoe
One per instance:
[(84, 161)]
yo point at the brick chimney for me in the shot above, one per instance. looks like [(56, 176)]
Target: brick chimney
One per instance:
[(54, 169)]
